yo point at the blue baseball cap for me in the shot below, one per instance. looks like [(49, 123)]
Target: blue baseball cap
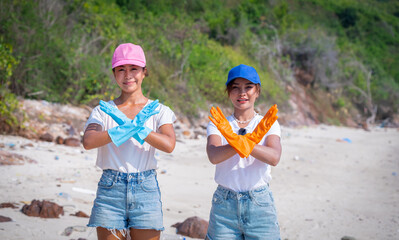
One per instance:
[(243, 71)]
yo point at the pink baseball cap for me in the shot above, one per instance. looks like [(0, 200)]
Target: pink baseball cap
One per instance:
[(128, 53)]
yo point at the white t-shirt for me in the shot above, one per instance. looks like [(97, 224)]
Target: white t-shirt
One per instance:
[(243, 174), (131, 156)]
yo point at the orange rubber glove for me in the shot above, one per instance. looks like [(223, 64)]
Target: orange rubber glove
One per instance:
[(264, 125), (241, 144)]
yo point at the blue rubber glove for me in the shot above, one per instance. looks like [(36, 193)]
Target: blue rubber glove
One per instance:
[(121, 118), (129, 128), (118, 116)]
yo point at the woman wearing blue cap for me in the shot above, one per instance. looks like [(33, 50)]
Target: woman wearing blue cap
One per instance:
[(243, 147)]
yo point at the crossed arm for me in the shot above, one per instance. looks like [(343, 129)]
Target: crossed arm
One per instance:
[(269, 152), (164, 139)]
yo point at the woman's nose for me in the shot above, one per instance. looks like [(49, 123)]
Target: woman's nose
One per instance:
[(128, 74)]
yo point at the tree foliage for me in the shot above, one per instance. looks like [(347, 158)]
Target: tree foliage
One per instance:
[(63, 49)]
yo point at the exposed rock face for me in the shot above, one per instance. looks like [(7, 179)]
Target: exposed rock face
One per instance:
[(193, 227), (54, 122), (43, 209)]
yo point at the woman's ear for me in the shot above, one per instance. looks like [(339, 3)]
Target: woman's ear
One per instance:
[(258, 88), (146, 73)]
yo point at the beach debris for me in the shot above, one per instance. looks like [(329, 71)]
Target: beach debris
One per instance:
[(347, 140), (194, 227), (298, 158), (11, 145), (65, 196), (7, 158), (43, 209), (187, 134), (5, 219), (344, 140), (7, 205), (83, 190), (28, 145), (80, 214), (68, 231), (165, 236), (394, 174), (65, 180)]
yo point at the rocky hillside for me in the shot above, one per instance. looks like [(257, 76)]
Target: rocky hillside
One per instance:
[(64, 124)]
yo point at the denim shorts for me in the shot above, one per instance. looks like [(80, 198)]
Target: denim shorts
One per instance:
[(243, 215), (127, 200)]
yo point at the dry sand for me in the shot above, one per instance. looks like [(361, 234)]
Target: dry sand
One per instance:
[(324, 187)]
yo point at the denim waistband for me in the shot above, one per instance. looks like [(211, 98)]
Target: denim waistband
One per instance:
[(228, 193), (129, 176)]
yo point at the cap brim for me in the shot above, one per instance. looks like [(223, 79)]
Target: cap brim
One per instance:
[(129, 61), (239, 76)]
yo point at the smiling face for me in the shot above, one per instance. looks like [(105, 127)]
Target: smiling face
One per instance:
[(129, 77), (243, 93)]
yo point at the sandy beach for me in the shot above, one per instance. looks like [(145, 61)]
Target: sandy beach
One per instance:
[(331, 182)]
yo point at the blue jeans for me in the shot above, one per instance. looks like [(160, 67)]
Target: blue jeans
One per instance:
[(243, 215), (127, 200)]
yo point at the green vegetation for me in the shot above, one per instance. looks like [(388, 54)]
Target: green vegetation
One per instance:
[(9, 105), (61, 51)]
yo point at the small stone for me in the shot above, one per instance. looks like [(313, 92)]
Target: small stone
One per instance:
[(80, 214), (59, 140), (7, 205), (46, 137), (5, 219), (72, 142), (348, 238), (193, 227), (43, 209)]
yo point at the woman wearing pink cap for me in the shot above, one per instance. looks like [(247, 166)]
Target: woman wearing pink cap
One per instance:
[(243, 147), (127, 131)]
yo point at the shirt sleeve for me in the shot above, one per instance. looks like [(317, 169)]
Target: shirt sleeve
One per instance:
[(274, 130), (165, 116), (211, 129), (96, 117)]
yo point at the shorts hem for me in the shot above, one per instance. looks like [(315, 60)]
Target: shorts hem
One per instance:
[(147, 228), (109, 228)]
